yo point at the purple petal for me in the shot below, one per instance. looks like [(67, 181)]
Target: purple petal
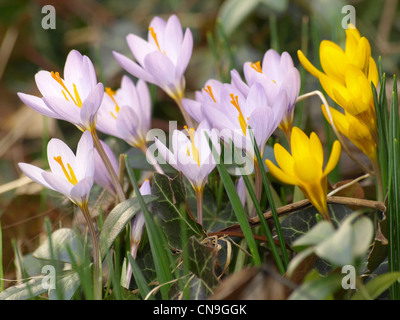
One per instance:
[(80, 192), (91, 105), (34, 173), (185, 54), (84, 156), (38, 105), (139, 47), (161, 69), (133, 68), (65, 109)]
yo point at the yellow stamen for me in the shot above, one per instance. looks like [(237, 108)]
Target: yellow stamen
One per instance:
[(208, 89), (77, 100), (111, 93), (256, 66), (195, 155), (69, 175), (242, 121), (154, 35)]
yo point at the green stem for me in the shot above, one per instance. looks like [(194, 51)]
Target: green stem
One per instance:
[(107, 163), (97, 278), (199, 200)]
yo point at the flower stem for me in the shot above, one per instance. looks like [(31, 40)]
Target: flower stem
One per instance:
[(199, 198), (97, 277), (107, 163)]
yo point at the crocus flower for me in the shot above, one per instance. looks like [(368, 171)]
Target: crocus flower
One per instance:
[(304, 167), (101, 175), (278, 75), (193, 157), (69, 174), (163, 58), (126, 112), (235, 113), (347, 76), (75, 99), (208, 97)]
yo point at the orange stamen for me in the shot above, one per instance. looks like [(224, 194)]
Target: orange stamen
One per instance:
[(69, 175)]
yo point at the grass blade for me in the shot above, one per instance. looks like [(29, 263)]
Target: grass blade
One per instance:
[(237, 206), (270, 201), (159, 247)]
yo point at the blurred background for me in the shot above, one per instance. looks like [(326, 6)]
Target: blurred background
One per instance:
[(226, 34)]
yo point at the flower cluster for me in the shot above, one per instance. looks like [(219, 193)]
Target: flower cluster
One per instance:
[(259, 103)]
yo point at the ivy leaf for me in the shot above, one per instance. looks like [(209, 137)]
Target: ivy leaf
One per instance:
[(300, 222), (202, 259), (171, 195)]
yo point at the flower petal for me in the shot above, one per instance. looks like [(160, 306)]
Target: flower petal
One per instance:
[(34, 173), (133, 68), (91, 105), (38, 105), (334, 157)]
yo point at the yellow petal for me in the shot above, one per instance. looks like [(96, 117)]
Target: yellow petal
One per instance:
[(299, 143), (334, 157), (316, 149), (352, 39), (373, 74), (308, 65), (316, 194), (333, 60), (307, 169), (336, 91), (339, 119), (362, 54), (284, 159), (279, 174)]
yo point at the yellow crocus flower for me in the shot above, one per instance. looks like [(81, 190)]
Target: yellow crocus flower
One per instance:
[(304, 167), (347, 75)]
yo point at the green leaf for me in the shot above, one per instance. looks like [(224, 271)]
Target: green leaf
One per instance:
[(24, 291), (213, 220), (117, 220), (202, 259), (139, 278), (300, 222), (376, 286), (234, 12), (67, 285), (316, 235), (318, 287), (61, 239), (171, 195)]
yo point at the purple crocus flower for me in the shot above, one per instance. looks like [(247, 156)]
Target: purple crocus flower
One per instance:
[(192, 155), (236, 112), (278, 76), (69, 174), (163, 58), (126, 113), (75, 99)]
